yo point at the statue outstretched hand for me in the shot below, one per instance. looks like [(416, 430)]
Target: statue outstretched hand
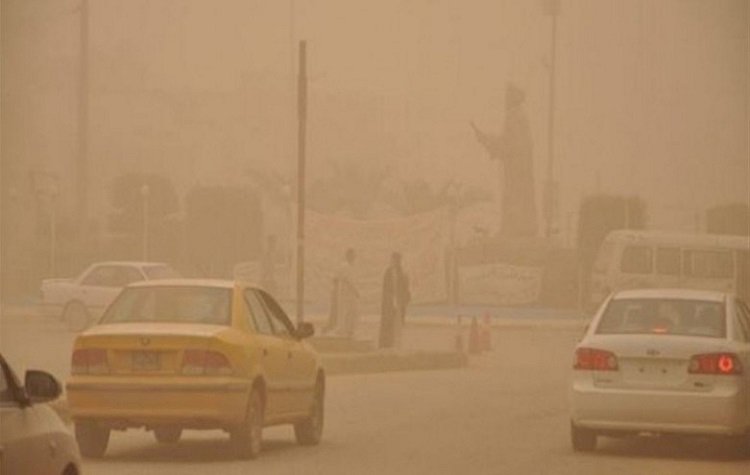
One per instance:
[(478, 133)]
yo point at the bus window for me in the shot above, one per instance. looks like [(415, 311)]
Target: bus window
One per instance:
[(709, 264), (636, 260), (668, 260), (743, 274)]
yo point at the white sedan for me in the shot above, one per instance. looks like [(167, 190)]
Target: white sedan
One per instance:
[(33, 439), (662, 361), (80, 299)]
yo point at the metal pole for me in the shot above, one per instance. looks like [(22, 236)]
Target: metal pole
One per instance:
[(549, 201), (81, 165), (144, 249), (301, 128), (53, 235)]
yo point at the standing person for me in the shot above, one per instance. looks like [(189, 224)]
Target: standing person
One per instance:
[(344, 299), (268, 266), (396, 297)]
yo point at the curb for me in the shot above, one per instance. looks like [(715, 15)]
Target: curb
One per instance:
[(388, 361)]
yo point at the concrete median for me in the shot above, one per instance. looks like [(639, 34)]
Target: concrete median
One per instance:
[(387, 360)]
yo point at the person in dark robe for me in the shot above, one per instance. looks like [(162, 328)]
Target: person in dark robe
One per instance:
[(395, 298)]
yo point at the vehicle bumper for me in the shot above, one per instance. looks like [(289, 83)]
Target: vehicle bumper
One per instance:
[(133, 402), (722, 411)]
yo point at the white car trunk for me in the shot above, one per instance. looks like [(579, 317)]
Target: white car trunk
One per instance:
[(655, 361)]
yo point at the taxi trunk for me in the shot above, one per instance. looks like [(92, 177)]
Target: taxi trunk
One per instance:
[(129, 375)]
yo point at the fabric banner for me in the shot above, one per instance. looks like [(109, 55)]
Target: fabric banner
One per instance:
[(421, 239), (500, 284)]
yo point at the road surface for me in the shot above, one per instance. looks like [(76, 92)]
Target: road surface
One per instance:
[(505, 413)]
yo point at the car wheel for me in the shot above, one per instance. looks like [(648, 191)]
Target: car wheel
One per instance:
[(310, 430), (740, 446), (167, 435), (77, 316), (247, 438), (583, 440), (92, 439)]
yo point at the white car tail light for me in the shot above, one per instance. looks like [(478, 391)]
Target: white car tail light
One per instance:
[(205, 362), (715, 363), (593, 359), (89, 361)]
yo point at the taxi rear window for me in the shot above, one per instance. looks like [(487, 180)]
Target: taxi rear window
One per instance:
[(179, 304)]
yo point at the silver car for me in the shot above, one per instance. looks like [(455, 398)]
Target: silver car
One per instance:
[(33, 439), (664, 361)]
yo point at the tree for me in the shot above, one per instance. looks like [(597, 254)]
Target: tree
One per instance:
[(127, 199), (599, 214), (224, 226), (733, 218)]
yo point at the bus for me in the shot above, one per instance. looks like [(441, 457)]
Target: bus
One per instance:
[(630, 259)]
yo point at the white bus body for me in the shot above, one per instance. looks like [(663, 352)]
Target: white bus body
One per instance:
[(629, 259)]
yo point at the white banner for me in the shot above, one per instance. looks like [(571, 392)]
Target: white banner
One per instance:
[(500, 284)]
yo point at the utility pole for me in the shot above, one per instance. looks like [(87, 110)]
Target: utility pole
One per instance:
[(552, 8), (145, 192), (301, 129), (81, 164)]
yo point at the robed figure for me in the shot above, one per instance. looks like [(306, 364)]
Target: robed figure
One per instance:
[(513, 152), (344, 315), (395, 298)]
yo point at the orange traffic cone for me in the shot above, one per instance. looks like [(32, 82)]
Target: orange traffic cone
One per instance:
[(459, 339), (485, 333), (474, 347)]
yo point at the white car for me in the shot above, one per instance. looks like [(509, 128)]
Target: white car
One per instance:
[(33, 439), (85, 297), (663, 361)]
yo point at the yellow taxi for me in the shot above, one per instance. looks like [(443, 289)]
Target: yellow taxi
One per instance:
[(180, 354)]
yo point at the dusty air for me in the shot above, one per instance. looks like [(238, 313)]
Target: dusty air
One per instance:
[(395, 237)]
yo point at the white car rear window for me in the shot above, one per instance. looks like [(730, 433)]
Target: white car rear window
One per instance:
[(664, 316), (161, 272)]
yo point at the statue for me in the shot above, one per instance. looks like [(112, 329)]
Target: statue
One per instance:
[(513, 151)]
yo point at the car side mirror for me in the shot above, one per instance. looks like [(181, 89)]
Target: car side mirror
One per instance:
[(304, 330), (41, 386)]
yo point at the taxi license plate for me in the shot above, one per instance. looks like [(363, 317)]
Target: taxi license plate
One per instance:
[(146, 361)]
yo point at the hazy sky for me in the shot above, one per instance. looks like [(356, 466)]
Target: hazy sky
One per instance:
[(652, 95)]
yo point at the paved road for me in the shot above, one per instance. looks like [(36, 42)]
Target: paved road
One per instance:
[(506, 413)]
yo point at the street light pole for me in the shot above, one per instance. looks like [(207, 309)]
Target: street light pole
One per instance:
[(53, 229), (301, 129), (550, 200), (81, 165)]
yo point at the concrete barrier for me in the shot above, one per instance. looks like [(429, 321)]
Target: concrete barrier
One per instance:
[(384, 361)]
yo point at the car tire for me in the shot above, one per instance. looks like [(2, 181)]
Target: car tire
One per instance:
[(92, 439), (77, 316), (247, 438), (167, 435), (310, 430), (583, 440), (740, 446)]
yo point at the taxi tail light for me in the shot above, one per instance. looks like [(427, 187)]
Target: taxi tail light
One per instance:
[(715, 363), (89, 361), (595, 360), (212, 363)]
